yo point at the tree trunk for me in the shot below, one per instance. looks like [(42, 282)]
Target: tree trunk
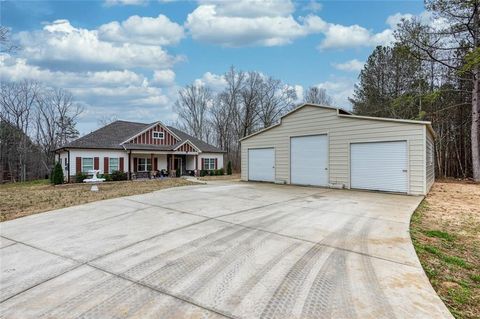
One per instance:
[(475, 126)]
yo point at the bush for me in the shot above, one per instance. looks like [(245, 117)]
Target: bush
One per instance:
[(203, 173), (229, 168), (211, 173), (80, 177), (220, 172), (107, 177), (118, 176), (177, 172), (57, 175)]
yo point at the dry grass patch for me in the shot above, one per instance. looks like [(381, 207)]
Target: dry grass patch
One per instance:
[(233, 177), (22, 199), (446, 234)]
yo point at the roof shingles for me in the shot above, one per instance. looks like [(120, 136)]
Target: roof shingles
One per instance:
[(114, 134)]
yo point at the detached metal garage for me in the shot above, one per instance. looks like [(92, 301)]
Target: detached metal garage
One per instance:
[(325, 146)]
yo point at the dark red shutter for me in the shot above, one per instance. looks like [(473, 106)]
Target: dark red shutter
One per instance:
[(203, 164), (78, 165), (134, 164), (105, 165), (216, 163), (96, 163), (155, 166), (121, 164)]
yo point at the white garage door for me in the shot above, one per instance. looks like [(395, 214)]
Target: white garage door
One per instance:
[(379, 166), (261, 164), (309, 160)]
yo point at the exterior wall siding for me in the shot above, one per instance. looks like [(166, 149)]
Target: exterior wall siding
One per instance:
[(94, 153), (147, 137), (430, 160), (218, 156), (341, 131)]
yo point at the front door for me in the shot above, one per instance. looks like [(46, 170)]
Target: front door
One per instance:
[(178, 164)]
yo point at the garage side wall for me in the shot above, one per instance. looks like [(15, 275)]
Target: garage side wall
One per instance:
[(342, 131), (430, 160)]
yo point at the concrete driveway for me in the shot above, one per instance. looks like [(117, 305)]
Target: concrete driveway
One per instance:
[(237, 250)]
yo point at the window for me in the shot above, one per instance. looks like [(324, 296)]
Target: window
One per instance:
[(157, 135), (87, 164), (112, 164), (66, 164), (144, 165), (208, 163)]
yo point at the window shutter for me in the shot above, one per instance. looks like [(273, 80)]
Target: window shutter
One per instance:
[(155, 165), (96, 163), (203, 163), (105, 165), (216, 163), (78, 165), (134, 164), (120, 168)]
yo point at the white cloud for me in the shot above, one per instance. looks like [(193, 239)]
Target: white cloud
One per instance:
[(349, 66), (313, 6), (341, 37), (340, 89), (142, 30), (110, 3), (163, 77), (264, 23), (213, 81), (59, 42)]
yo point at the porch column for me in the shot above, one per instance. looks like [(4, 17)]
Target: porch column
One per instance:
[(151, 162), (196, 165), (130, 165)]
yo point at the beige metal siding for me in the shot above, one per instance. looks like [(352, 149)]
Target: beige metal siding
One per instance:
[(430, 160), (341, 132)]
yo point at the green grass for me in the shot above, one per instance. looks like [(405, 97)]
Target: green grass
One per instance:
[(37, 182), (460, 295), (454, 260), (439, 234), (475, 277), (432, 250)]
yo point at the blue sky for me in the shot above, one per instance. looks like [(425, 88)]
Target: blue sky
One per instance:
[(128, 58)]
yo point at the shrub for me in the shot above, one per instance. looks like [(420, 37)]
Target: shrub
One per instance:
[(57, 175), (203, 173), (107, 177), (221, 172), (177, 172), (118, 176), (229, 168), (211, 173), (80, 177)]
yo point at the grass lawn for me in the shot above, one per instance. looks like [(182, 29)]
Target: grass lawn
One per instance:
[(22, 199), (446, 234)]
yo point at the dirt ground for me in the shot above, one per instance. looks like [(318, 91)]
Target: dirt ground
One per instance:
[(446, 233), (221, 178), (22, 199)]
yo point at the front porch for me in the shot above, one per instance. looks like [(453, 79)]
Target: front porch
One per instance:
[(156, 165)]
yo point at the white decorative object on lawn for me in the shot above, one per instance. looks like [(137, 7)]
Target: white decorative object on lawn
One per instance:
[(94, 180)]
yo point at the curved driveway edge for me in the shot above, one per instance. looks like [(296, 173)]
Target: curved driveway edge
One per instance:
[(235, 250)]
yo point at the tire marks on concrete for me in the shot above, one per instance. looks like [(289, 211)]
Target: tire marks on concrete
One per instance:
[(285, 296), (381, 306)]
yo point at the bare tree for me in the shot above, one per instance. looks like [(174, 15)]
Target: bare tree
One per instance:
[(6, 44), (17, 104), (105, 120), (192, 107), (276, 98), (56, 116), (317, 95)]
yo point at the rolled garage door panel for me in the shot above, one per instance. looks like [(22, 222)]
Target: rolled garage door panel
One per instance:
[(379, 166), (261, 164), (309, 160)]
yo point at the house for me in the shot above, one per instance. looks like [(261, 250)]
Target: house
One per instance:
[(330, 147), (138, 149)]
